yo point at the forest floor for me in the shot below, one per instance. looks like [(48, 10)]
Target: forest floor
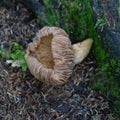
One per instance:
[(22, 97)]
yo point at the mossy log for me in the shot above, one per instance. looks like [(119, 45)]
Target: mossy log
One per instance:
[(109, 12)]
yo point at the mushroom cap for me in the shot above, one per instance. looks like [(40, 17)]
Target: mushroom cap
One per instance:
[(82, 49), (50, 57)]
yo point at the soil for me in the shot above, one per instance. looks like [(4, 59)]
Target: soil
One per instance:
[(22, 97)]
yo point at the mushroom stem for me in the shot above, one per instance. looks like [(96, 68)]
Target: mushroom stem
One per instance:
[(81, 50)]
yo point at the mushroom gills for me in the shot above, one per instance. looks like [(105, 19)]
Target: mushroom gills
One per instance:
[(43, 52)]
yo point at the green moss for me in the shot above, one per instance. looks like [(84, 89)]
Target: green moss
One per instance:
[(106, 80), (50, 13), (100, 23), (76, 17), (73, 16)]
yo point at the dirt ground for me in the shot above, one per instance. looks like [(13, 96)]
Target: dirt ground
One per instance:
[(22, 97)]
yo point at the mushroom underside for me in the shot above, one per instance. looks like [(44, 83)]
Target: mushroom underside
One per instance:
[(50, 57), (43, 52)]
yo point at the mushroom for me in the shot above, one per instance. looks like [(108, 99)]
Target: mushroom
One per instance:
[(51, 57), (81, 50)]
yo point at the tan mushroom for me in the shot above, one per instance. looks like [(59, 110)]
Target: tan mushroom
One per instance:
[(51, 57), (81, 50)]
